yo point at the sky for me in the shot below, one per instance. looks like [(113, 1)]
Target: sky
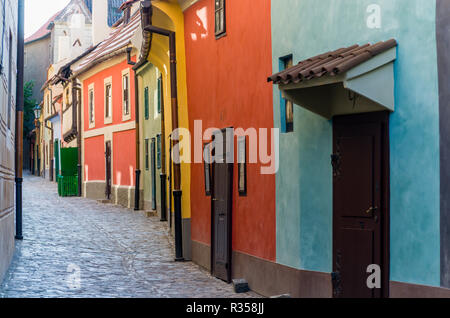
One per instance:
[(37, 12)]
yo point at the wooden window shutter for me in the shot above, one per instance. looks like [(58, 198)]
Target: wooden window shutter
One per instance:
[(146, 103)]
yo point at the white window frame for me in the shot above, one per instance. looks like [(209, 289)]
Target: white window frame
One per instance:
[(126, 117), (91, 87), (108, 81)]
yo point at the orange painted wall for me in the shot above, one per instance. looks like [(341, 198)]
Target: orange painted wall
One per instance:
[(227, 87), (98, 80), (123, 143), (124, 146), (95, 159)]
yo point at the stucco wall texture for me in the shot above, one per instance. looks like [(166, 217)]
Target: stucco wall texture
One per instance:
[(239, 97), (304, 219)]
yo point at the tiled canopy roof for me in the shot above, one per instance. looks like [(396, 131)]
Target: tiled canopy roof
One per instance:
[(331, 63), (118, 39)]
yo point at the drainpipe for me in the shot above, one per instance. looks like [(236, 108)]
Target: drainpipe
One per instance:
[(76, 122), (177, 193), (137, 194), (19, 120), (163, 160), (52, 143)]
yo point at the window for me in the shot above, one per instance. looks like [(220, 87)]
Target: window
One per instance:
[(91, 103), (108, 100), (153, 174), (10, 73), (207, 168), (287, 107), (48, 103), (158, 151), (146, 105), (159, 94), (242, 166), (147, 164), (220, 28), (126, 94), (67, 98)]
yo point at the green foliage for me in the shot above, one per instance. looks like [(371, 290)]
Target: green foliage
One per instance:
[(29, 103)]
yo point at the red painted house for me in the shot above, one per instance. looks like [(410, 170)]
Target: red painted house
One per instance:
[(109, 114), (228, 54)]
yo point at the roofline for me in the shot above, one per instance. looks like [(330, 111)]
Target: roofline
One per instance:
[(38, 39), (117, 52)]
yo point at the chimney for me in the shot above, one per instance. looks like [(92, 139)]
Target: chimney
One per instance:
[(100, 28)]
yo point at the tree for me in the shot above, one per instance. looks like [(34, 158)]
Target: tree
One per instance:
[(29, 103)]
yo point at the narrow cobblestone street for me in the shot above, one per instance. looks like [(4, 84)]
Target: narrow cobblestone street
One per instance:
[(118, 252)]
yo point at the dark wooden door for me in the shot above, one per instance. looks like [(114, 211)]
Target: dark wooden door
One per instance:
[(359, 202), (221, 210), (153, 173), (108, 170)]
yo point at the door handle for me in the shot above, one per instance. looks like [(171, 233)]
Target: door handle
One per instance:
[(371, 209)]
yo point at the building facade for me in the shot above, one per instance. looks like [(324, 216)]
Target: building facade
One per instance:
[(8, 80), (109, 115), (378, 108), (151, 145), (164, 53), (226, 42)]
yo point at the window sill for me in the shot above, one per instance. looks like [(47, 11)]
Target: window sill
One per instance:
[(221, 35)]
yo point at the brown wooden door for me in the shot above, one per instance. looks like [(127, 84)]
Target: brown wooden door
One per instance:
[(359, 205), (108, 170), (221, 211)]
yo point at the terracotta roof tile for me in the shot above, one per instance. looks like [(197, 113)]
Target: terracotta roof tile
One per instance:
[(43, 30), (331, 63)]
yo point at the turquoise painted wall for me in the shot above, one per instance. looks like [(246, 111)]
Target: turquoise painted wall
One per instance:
[(306, 28)]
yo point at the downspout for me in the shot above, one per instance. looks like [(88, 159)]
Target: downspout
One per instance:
[(19, 120), (177, 193), (76, 122), (137, 194), (146, 15), (52, 142)]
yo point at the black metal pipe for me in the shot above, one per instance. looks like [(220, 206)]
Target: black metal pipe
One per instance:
[(163, 198), (137, 190), (178, 226), (177, 193), (19, 119)]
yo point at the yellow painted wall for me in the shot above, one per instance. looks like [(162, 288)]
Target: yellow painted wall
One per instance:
[(169, 15)]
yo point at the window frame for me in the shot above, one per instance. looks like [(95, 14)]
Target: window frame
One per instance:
[(147, 154), (108, 82), (91, 110), (242, 165), (126, 116), (207, 168), (10, 80), (160, 92), (286, 127), (146, 103), (220, 32), (158, 152)]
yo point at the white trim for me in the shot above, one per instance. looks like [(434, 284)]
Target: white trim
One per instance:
[(126, 117), (108, 81), (109, 130), (91, 87)]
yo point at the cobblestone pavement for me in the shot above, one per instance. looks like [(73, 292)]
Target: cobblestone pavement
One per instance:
[(115, 252)]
